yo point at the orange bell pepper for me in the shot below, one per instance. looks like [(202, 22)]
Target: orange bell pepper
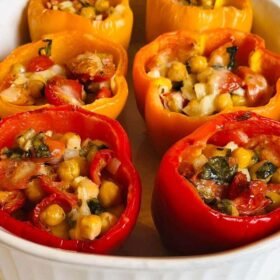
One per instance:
[(65, 46), (116, 27), (166, 127), (173, 16)]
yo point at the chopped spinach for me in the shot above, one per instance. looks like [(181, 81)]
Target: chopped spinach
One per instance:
[(41, 150), (95, 206), (17, 153), (90, 147), (218, 170), (232, 53), (266, 170)]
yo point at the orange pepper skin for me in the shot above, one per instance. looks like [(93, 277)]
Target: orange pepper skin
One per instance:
[(166, 127), (172, 16), (43, 21), (66, 45)]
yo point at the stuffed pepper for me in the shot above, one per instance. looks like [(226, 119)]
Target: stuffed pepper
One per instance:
[(183, 79), (219, 188), (65, 68), (197, 15), (67, 180), (111, 19)]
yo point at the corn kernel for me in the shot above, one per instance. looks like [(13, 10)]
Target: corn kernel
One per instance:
[(52, 215), (34, 192), (108, 220), (88, 12), (223, 101), (198, 63), (68, 170), (109, 194), (61, 230), (90, 227), (244, 157), (238, 100), (177, 72)]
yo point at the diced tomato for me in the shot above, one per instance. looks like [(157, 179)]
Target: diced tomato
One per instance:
[(230, 83), (267, 146), (62, 91), (15, 174), (252, 201), (104, 93), (56, 147), (39, 63), (11, 200), (238, 185), (258, 91)]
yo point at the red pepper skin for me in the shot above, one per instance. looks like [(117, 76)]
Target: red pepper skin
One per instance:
[(63, 119), (186, 224), (99, 162), (52, 187)]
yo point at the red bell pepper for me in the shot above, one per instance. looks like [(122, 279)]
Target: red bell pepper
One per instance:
[(64, 119), (185, 222)]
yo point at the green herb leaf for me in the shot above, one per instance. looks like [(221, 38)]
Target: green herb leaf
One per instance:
[(95, 206), (266, 170), (40, 148), (232, 53), (218, 170), (47, 50)]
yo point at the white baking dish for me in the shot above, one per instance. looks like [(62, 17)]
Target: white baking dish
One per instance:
[(142, 257)]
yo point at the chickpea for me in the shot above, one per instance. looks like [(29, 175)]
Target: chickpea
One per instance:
[(108, 220), (90, 227), (88, 12), (102, 5), (109, 194), (68, 170), (34, 191), (198, 63), (52, 215), (177, 72)]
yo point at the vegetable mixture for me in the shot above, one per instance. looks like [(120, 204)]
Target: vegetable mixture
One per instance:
[(204, 85), (61, 184), (238, 180), (95, 10), (82, 80)]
